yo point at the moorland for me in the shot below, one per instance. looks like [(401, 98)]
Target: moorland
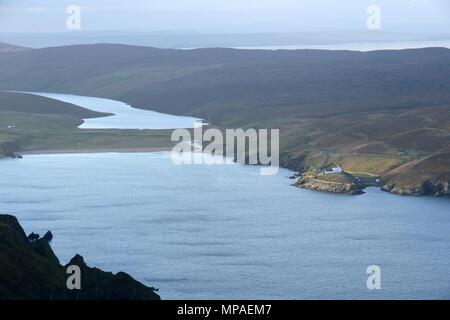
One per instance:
[(380, 115)]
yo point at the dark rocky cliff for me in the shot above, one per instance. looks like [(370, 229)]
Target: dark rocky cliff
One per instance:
[(428, 188), (29, 270)]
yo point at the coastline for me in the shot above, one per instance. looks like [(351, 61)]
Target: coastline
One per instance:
[(30, 261), (426, 189), (107, 150), (342, 188)]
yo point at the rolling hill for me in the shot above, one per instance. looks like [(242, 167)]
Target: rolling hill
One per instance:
[(19, 102), (5, 47), (43, 124), (372, 112)]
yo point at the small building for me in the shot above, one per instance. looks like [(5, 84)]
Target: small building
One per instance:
[(334, 170)]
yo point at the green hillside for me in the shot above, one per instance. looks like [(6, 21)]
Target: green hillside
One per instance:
[(43, 124), (19, 102), (371, 112)]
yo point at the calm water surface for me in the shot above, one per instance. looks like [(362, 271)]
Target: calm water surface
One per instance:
[(125, 116), (361, 46), (225, 231)]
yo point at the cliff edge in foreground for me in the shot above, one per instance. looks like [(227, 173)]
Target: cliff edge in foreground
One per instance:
[(29, 270)]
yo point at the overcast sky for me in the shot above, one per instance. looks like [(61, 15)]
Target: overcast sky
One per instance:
[(427, 16)]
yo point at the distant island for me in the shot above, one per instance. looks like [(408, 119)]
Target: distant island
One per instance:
[(29, 270), (379, 115)]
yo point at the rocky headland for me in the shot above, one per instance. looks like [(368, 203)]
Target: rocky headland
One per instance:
[(311, 183), (428, 188), (29, 270)]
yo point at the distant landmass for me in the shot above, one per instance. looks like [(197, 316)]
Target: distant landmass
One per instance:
[(382, 115), (29, 270), (4, 47), (183, 39)]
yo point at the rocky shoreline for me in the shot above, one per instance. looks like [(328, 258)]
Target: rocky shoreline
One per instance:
[(352, 189), (428, 188), (9, 149), (29, 270), (11, 155)]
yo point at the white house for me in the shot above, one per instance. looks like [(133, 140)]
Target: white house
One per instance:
[(336, 169)]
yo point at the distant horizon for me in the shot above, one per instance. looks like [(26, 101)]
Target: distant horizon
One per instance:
[(189, 40), (194, 32)]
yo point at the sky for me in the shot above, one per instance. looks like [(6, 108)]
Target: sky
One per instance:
[(225, 16)]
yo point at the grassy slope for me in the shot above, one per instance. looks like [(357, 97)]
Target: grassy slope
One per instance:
[(60, 133), (48, 125), (430, 168), (20, 102), (371, 112)]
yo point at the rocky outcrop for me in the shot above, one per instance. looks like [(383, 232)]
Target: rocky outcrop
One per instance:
[(97, 284), (427, 188), (12, 155), (48, 236), (8, 149), (333, 187), (29, 270)]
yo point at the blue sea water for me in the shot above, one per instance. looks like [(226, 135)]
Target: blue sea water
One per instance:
[(360, 46), (227, 232), (123, 115)]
